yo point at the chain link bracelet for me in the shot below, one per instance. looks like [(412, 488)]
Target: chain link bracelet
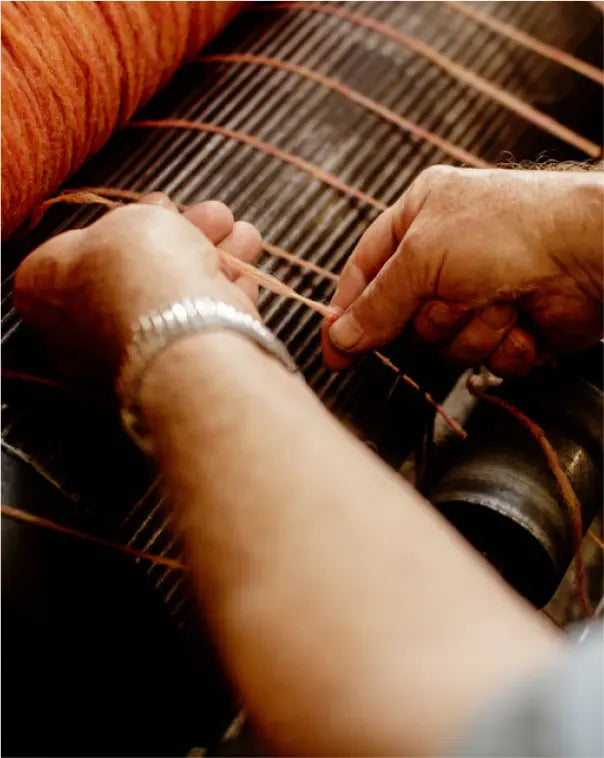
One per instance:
[(153, 332)]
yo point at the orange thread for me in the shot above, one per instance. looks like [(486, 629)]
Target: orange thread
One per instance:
[(265, 280), (102, 195), (30, 518), (528, 41), (74, 72), (569, 497), (461, 155), (271, 283), (594, 537), (248, 139), (459, 431), (459, 72)]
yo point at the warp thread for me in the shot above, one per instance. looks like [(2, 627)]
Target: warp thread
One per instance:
[(248, 139), (456, 70), (30, 518), (528, 41), (458, 153)]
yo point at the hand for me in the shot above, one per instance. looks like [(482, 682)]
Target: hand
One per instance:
[(84, 288), (493, 266)]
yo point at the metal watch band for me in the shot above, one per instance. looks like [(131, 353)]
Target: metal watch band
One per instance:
[(155, 331)]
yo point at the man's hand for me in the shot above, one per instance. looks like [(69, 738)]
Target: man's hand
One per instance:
[(84, 288), (494, 266)]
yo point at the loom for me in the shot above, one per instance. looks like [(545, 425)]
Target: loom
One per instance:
[(128, 628)]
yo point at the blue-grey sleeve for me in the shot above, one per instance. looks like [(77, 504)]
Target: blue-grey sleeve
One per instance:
[(557, 712)]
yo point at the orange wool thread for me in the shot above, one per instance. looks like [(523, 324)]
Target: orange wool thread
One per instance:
[(459, 72), (569, 496), (74, 72), (265, 280), (103, 195), (461, 155), (271, 283), (248, 139), (528, 41), (30, 518)]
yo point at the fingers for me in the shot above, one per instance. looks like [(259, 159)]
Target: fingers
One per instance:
[(382, 309), (216, 222), (515, 356), (482, 335), (158, 198), (376, 245), (244, 242), (438, 321), (212, 218)]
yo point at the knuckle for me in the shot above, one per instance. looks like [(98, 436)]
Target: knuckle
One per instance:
[(438, 173)]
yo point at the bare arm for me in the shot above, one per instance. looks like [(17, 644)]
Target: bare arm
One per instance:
[(351, 617)]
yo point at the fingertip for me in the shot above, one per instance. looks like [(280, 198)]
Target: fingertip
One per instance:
[(251, 240), (212, 218), (333, 359), (515, 356), (158, 198)]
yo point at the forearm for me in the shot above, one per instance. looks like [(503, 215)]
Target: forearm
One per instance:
[(351, 617)]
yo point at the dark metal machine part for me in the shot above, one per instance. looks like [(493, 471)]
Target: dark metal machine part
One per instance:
[(500, 493), (106, 487)]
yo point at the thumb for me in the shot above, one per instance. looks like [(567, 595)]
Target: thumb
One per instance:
[(384, 307)]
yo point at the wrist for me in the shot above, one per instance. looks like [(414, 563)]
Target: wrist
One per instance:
[(576, 209), (197, 379), (154, 332)]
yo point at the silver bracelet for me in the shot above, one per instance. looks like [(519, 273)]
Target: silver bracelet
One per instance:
[(155, 331)]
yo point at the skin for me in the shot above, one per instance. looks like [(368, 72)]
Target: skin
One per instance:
[(352, 619), (494, 267)]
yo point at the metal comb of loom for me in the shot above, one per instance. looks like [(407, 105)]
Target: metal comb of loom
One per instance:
[(105, 487)]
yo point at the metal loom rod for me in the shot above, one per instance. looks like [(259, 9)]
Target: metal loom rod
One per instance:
[(461, 155), (37, 467), (249, 139), (528, 41), (30, 518), (573, 506), (463, 74)]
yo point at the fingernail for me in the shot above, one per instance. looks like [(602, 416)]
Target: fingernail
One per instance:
[(346, 332)]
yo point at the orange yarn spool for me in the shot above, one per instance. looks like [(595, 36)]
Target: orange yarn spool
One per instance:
[(73, 72)]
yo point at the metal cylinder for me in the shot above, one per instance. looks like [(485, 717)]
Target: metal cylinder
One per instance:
[(498, 490)]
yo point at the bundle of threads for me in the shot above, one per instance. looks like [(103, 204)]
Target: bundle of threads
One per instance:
[(74, 72)]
